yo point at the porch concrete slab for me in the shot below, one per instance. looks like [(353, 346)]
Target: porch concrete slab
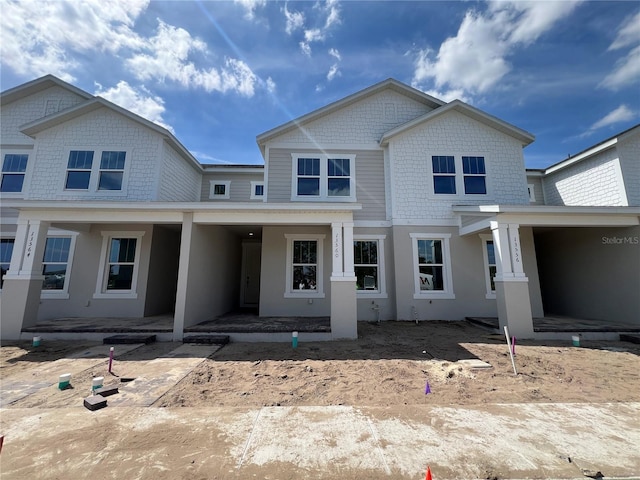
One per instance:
[(507, 441), (124, 339), (156, 377), (26, 383)]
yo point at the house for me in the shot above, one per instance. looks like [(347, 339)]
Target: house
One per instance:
[(387, 204)]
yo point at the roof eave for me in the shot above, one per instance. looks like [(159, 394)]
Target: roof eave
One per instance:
[(38, 85)]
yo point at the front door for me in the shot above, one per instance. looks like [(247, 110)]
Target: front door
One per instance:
[(250, 286)]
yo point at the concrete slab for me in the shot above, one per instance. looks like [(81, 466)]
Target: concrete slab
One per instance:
[(29, 382), (156, 377), (508, 441), (124, 339), (474, 363)]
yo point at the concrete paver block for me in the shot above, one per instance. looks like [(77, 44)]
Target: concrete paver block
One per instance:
[(95, 402)]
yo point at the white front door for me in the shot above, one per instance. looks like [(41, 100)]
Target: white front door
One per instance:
[(250, 280)]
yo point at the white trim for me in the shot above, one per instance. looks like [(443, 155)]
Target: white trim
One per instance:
[(101, 282), (531, 187), (592, 151), (94, 174), (64, 293), (485, 237), (447, 292), (372, 224), (26, 175), (323, 195), (254, 184), (459, 177), (212, 189), (373, 146), (381, 292), (289, 292), (430, 222)]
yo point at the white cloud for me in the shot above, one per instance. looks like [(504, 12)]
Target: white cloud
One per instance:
[(41, 37), (330, 11), (295, 20), (620, 114), (139, 101), (167, 55), (628, 34), (333, 72), (271, 85), (250, 7), (627, 69), (306, 49), (335, 53), (476, 58), (449, 95)]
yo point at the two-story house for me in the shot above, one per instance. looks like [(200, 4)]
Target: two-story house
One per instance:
[(387, 204)]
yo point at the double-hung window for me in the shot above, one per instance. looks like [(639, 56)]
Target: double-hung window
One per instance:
[(6, 250), (14, 167), (304, 266), (111, 170), (432, 266), (444, 174), (257, 190), (490, 267), (368, 264), (474, 175), (55, 264), (106, 175), (323, 177), (79, 170), (119, 271)]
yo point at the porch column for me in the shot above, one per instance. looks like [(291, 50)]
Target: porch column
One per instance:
[(512, 286), (336, 249), (344, 309), (183, 276), (23, 282)]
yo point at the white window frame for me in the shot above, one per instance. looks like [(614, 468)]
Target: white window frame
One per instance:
[(532, 192), (103, 271), (255, 184), (381, 292), (482, 175), (9, 237), (289, 292), (94, 176), (64, 293), (447, 292), (26, 174), (485, 237), (459, 176), (456, 169), (323, 196), (217, 196)]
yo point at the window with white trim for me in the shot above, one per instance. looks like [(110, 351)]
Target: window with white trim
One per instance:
[(118, 275), (14, 167), (107, 176), (220, 189), (444, 174), (490, 267), (474, 175), (6, 250), (56, 264), (368, 264), (432, 265), (323, 177), (304, 266), (257, 190)]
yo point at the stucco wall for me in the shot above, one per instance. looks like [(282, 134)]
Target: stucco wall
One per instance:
[(272, 276), (163, 271), (84, 276), (453, 134), (179, 180), (38, 105), (240, 187), (590, 273), (629, 150), (99, 129), (595, 181)]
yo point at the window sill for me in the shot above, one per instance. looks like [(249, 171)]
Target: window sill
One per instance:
[(363, 294), (54, 296), (434, 295), (490, 296), (324, 199), (303, 295), (116, 295)]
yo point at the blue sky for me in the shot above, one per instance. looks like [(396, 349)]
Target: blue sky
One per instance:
[(218, 73)]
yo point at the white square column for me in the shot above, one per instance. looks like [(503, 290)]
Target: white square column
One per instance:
[(344, 308)]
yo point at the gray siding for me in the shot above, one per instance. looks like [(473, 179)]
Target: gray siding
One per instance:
[(240, 187), (279, 187), (538, 192)]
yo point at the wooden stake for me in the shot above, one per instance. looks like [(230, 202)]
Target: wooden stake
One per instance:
[(513, 362)]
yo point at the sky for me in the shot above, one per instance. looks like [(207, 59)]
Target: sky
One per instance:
[(219, 73)]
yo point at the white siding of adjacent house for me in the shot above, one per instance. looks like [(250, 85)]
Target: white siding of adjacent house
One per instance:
[(38, 105), (629, 150), (538, 193), (179, 181), (595, 181), (99, 129), (454, 134)]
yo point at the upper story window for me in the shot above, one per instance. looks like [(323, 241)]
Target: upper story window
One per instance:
[(6, 250), (444, 174), (323, 177), (445, 180), (14, 167), (220, 189), (257, 190), (474, 175), (85, 174)]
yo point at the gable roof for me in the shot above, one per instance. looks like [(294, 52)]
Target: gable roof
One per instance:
[(390, 84), (39, 85), (456, 105), (95, 103), (590, 151)]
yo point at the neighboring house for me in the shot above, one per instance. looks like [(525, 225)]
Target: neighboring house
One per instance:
[(387, 204)]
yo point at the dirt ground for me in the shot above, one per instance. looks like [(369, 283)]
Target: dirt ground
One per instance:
[(390, 364), (388, 368)]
